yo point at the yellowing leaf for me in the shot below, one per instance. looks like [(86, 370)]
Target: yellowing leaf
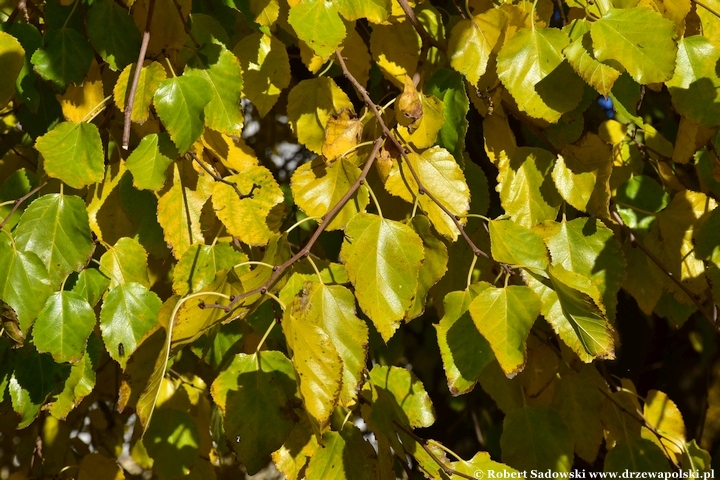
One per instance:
[(473, 40), (598, 75), (409, 107), (434, 265), (346, 454), (151, 76), (167, 24), (710, 21), (233, 152), (126, 262), (356, 55), (402, 59), (691, 137), (310, 105), (96, 465), (382, 258), (317, 186), (665, 417), (342, 133), (80, 102), (266, 11), (179, 215), (73, 153), (376, 11), (442, 177), (256, 217), (12, 56), (423, 132), (318, 23), (515, 244)]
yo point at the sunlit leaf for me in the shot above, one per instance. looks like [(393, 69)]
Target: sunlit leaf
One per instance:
[(73, 153), (126, 262), (198, 266), (12, 54), (318, 23), (180, 103), (517, 245), (63, 326), (472, 41), (347, 455), (151, 76), (149, 161)]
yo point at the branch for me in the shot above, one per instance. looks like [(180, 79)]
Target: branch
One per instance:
[(424, 35), (707, 7), (220, 179), (388, 134), (305, 251), (19, 202), (662, 267), (136, 77)]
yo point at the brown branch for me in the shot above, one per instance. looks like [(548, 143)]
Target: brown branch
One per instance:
[(19, 202), (136, 78), (449, 471), (220, 179), (707, 7), (662, 267), (305, 251), (424, 35), (460, 10), (388, 134)]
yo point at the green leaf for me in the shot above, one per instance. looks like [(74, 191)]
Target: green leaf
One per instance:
[(257, 217), (465, 353), (12, 59), (527, 192), (637, 199), (151, 76), (200, 264), (256, 395), (318, 186), (580, 56), (311, 103), (318, 366), (149, 161), (266, 69), (504, 316), (346, 455), (113, 33), (443, 178), (535, 438), (473, 41), (126, 262), (376, 11), (481, 466), (449, 87), (63, 326), (332, 309), (173, 440), (638, 39), (517, 245), (695, 86), (73, 153), (56, 228), (129, 311), (531, 66), (434, 264), (25, 285), (636, 455), (81, 381), (180, 103), (64, 59), (221, 69), (317, 23), (383, 259)]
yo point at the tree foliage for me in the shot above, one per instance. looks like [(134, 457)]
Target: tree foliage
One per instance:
[(318, 233)]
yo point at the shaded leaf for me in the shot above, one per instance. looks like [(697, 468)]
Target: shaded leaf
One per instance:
[(199, 265), (347, 455), (636, 455), (113, 33), (65, 57)]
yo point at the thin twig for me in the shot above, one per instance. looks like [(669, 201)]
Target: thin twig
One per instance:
[(449, 471), (424, 35), (459, 10), (707, 7), (388, 134), (220, 179), (305, 251), (662, 267), (19, 202), (136, 78)]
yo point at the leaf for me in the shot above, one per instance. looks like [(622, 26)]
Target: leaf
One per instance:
[(318, 366), (64, 59), (95, 465), (221, 69), (357, 57), (129, 311), (266, 69), (173, 441), (638, 39), (91, 285), (347, 455), (449, 87), (311, 103), (232, 152), (56, 228), (636, 455), (331, 308), (149, 161), (178, 212), (443, 178), (63, 326), (504, 316), (318, 24), (422, 133), (199, 265), (535, 438), (81, 102), (13, 56), (514, 244), (317, 186), (151, 76), (81, 381), (126, 262), (433, 268), (180, 103), (342, 134), (73, 153), (299, 447), (113, 33), (586, 246), (465, 353), (255, 218), (695, 85), (480, 466), (256, 394), (472, 42), (530, 65), (580, 55), (400, 61), (376, 11), (526, 191), (637, 199), (382, 258), (664, 416)]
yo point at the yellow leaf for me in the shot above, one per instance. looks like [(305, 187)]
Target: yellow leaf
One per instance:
[(472, 41), (312, 61), (691, 137), (342, 132), (673, 10), (233, 152), (81, 102), (356, 55), (151, 76), (95, 465), (11, 62), (665, 417), (400, 60), (409, 105), (265, 11), (179, 215), (499, 138), (658, 146), (167, 25), (709, 20), (423, 132)]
